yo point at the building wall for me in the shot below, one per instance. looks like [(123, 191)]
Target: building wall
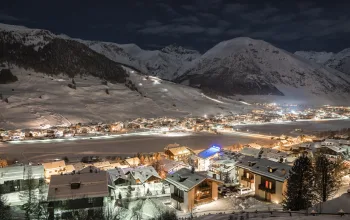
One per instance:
[(190, 196), (214, 191), (276, 197)]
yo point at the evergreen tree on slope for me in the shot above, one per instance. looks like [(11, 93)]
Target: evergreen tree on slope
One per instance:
[(300, 191)]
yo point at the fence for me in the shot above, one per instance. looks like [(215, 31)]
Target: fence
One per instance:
[(245, 215)]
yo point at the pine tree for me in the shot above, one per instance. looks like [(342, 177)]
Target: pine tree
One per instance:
[(227, 177), (5, 211), (300, 194), (327, 181), (41, 211), (28, 195)]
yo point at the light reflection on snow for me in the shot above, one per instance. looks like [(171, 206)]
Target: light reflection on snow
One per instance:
[(215, 100)]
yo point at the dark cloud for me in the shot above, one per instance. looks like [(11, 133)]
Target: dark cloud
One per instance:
[(172, 29), (153, 23), (6, 17), (313, 12), (186, 19), (290, 24), (234, 8), (168, 8)]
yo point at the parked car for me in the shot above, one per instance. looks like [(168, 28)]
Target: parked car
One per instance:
[(244, 191)]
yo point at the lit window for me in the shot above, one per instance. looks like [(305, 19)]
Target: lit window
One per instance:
[(90, 200), (270, 185), (266, 184)]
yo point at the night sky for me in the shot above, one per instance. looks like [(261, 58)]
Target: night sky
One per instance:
[(292, 25)]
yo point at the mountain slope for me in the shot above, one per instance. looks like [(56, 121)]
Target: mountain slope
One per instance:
[(165, 63), (340, 61), (254, 67), (42, 94), (45, 52), (316, 57)]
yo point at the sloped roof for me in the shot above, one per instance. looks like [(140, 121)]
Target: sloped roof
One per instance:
[(11, 173), (169, 165), (134, 161), (143, 173), (249, 151), (261, 167), (101, 164), (118, 173), (91, 185), (185, 180), (179, 150), (211, 151), (54, 164), (80, 166)]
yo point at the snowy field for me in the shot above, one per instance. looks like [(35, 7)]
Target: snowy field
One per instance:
[(38, 99)]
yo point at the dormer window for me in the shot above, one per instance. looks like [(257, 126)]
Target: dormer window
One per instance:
[(271, 169)]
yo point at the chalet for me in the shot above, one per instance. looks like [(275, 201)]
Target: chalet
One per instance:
[(267, 178), (119, 177), (253, 152), (171, 166), (56, 168), (88, 189), (203, 159), (224, 170), (177, 152), (142, 175), (189, 189), (133, 162), (12, 178), (274, 155)]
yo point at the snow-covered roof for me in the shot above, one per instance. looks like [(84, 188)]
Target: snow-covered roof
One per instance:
[(11, 173), (170, 165), (249, 151), (185, 180), (262, 167), (54, 165), (179, 150), (211, 151), (273, 154), (84, 185), (118, 173), (143, 173), (134, 161)]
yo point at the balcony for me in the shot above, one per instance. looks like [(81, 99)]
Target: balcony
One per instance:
[(204, 188), (177, 198), (244, 178), (263, 188)]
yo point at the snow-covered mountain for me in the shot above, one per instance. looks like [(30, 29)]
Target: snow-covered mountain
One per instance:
[(339, 61), (166, 63), (316, 57), (52, 54), (43, 92), (254, 67)]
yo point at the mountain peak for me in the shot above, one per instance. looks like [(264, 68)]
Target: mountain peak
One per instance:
[(174, 48)]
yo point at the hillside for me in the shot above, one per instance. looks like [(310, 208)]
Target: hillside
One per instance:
[(39, 99), (339, 61), (45, 52), (166, 63), (246, 66), (316, 57)]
